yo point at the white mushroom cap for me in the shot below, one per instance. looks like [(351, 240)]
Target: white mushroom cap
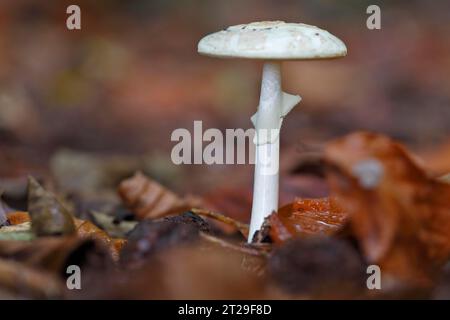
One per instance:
[(272, 40)]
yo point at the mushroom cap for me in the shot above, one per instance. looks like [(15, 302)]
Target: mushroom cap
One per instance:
[(272, 40)]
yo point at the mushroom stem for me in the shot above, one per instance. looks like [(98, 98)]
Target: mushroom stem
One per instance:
[(267, 123)]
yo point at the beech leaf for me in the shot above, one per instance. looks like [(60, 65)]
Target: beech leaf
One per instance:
[(48, 216), (399, 215), (148, 199)]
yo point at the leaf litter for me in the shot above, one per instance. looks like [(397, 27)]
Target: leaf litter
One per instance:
[(383, 208)]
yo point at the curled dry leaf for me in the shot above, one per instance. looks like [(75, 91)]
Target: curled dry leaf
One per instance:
[(306, 217), (48, 215), (88, 230), (148, 199), (399, 216)]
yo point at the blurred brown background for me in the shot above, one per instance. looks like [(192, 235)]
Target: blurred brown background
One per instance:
[(132, 75)]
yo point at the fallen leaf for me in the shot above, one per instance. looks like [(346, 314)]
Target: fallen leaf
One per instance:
[(398, 214), (152, 236), (306, 217), (48, 215), (148, 199), (88, 230), (185, 272), (318, 267), (83, 229), (118, 229), (18, 217), (438, 159), (119, 244)]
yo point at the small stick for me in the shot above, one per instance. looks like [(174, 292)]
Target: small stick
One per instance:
[(242, 227)]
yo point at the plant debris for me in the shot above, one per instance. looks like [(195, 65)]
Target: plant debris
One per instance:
[(150, 237), (148, 199), (92, 117), (306, 217), (383, 209), (320, 267), (399, 215), (49, 216), (242, 227), (115, 228)]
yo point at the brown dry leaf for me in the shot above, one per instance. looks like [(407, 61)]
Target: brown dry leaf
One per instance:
[(438, 160), (18, 217), (154, 236), (306, 217), (185, 272), (48, 214), (86, 229), (318, 268), (119, 244), (148, 199), (399, 216)]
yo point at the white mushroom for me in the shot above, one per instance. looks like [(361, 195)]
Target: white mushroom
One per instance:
[(272, 41)]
